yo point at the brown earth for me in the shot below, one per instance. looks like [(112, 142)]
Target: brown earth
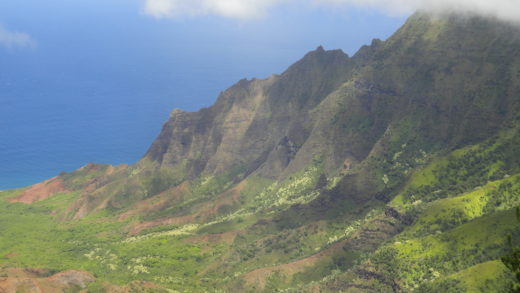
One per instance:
[(163, 222), (259, 277), (227, 237), (38, 281), (156, 203), (41, 191), (207, 210), (367, 239), (135, 287)]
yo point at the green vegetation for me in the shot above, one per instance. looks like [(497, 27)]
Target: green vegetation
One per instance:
[(396, 170), (31, 237)]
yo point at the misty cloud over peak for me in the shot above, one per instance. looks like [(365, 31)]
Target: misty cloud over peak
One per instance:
[(507, 10)]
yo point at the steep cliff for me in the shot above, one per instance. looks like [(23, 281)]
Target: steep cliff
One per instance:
[(436, 84), (394, 170), (255, 123)]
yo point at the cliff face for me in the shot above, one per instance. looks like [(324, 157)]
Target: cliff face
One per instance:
[(255, 123), (434, 86), (437, 83), (394, 170)]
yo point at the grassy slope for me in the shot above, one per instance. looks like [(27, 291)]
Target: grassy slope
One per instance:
[(31, 237), (458, 233), (306, 232), (455, 239), (460, 204), (462, 224)]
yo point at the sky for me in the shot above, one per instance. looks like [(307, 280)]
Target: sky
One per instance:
[(93, 80), (508, 10), (92, 40), (58, 43)]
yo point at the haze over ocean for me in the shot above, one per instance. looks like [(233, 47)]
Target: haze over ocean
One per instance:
[(99, 89)]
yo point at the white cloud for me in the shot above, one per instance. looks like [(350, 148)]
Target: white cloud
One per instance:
[(246, 9), (508, 10), (242, 9), (10, 39)]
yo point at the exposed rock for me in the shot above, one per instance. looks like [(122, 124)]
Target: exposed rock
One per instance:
[(41, 191), (254, 123), (37, 281)]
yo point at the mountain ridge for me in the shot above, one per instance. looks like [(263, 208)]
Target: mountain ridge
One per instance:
[(369, 173)]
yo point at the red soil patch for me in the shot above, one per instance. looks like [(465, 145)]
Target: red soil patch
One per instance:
[(159, 202), (227, 237), (41, 191), (34, 280), (259, 277), (25, 273), (367, 237), (72, 278), (207, 209), (229, 197), (135, 286), (101, 179), (212, 208), (11, 255), (163, 222)]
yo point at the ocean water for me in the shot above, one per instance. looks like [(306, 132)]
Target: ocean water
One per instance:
[(52, 122), (44, 133), (48, 129), (103, 78)]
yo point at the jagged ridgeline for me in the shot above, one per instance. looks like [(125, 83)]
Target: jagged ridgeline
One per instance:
[(394, 170)]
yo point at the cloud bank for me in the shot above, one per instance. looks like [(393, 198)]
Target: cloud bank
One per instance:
[(10, 39), (508, 10), (242, 9)]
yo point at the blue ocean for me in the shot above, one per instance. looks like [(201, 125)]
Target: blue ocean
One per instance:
[(59, 112), (100, 78), (53, 123)]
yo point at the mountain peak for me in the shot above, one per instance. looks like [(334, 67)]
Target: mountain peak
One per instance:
[(329, 171)]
